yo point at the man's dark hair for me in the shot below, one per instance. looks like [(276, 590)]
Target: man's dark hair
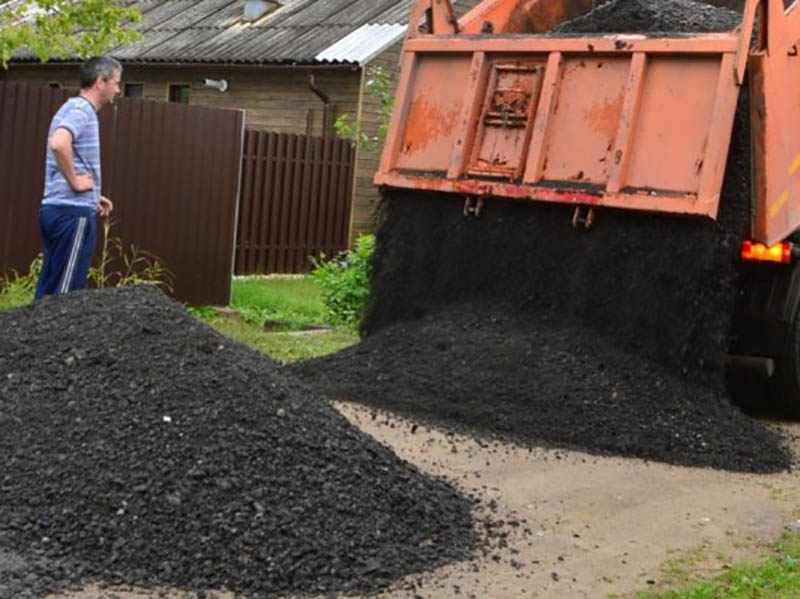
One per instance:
[(99, 66)]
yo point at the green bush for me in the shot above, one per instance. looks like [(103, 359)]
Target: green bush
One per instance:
[(345, 282)]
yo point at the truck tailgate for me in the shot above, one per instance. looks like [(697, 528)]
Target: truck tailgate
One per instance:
[(625, 121)]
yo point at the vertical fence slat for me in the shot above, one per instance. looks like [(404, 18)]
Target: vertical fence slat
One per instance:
[(301, 261), (313, 200), (286, 201), (295, 249), (341, 189), (345, 192), (270, 226), (251, 227), (330, 212), (262, 193), (245, 200)]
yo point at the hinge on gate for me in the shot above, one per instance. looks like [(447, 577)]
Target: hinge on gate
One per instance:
[(579, 217)]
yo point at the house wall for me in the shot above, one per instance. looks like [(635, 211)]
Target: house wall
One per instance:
[(365, 195), (278, 99)]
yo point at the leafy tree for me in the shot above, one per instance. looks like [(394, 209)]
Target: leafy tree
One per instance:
[(63, 28)]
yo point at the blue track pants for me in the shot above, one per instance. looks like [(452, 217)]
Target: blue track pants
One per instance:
[(70, 235)]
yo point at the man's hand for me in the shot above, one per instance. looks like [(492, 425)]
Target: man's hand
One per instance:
[(105, 206), (81, 183)]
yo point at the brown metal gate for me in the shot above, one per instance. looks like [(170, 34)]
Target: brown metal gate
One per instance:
[(172, 171), (295, 201)]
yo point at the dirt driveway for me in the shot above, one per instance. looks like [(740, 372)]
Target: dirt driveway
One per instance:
[(588, 527)]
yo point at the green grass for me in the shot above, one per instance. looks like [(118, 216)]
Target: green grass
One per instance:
[(285, 347), (777, 576), (295, 301)]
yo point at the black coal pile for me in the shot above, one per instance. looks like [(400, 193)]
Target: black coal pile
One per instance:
[(501, 375), (653, 17), (513, 324), (140, 447)]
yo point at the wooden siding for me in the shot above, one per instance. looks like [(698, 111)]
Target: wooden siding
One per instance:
[(365, 194), (275, 99)]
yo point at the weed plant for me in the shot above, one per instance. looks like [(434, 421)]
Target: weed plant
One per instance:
[(17, 289), (134, 266)]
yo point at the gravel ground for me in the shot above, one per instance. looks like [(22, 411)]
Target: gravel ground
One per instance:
[(141, 448)]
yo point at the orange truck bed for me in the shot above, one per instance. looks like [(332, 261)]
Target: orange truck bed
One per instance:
[(620, 121)]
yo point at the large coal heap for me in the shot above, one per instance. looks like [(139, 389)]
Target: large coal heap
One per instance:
[(140, 447), (653, 17), (513, 324)]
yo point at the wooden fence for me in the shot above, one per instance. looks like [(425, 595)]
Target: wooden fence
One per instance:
[(295, 201), (172, 171)]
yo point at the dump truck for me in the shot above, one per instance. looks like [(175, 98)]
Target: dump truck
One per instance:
[(488, 108)]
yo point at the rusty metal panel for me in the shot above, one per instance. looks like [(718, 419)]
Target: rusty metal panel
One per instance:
[(295, 201), (688, 84), (434, 105), (623, 121), (172, 171), (775, 131), (593, 119)]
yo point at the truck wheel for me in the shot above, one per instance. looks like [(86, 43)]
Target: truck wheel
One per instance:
[(748, 390), (785, 383)]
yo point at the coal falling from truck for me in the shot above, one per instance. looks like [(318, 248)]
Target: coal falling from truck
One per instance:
[(512, 324)]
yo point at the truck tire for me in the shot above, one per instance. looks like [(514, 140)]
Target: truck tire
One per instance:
[(785, 383), (748, 391)]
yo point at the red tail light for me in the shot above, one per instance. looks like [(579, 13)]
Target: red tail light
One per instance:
[(780, 252)]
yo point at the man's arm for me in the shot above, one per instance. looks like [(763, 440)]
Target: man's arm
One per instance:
[(61, 144)]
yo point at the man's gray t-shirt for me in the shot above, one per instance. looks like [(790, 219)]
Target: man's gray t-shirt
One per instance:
[(78, 116)]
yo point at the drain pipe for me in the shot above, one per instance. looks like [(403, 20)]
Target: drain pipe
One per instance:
[(327, 128)]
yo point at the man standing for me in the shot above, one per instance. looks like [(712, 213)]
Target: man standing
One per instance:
[(73, 182)]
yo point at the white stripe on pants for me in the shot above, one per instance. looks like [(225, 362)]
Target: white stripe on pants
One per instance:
[(77, 242)]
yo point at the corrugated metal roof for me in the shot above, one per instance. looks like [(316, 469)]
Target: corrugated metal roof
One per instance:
[(296, 32), (364, 44)]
